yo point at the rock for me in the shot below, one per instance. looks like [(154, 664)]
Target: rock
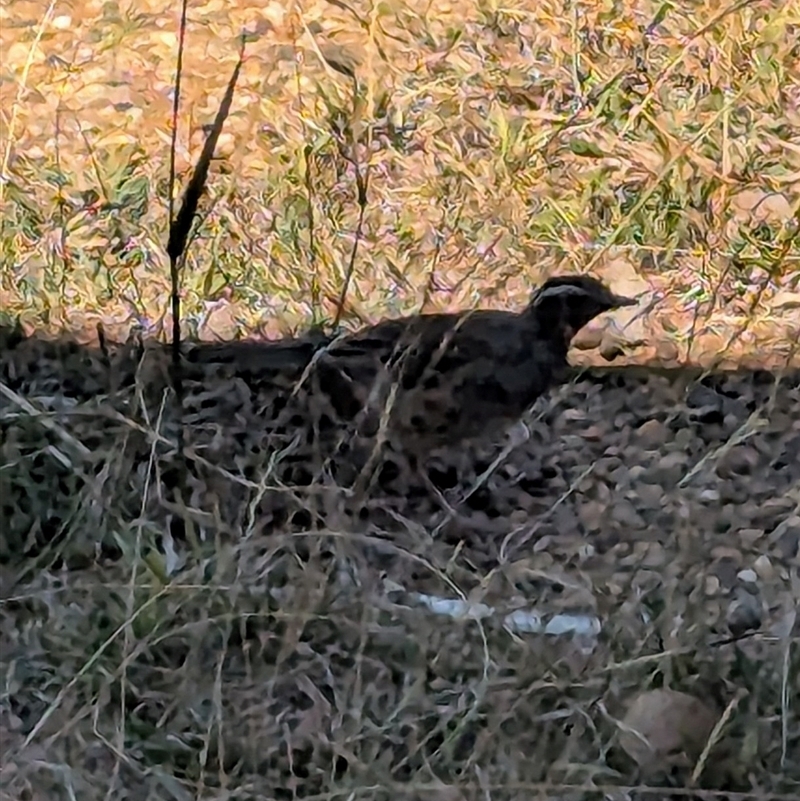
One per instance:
[(590, 336), (593, 515), (624, 513), (725, 570), (671, 467), (744, 614), (610, 350), (763, 567), (652, 433), (750, 536), (666, 728), (748, 576), (787, 538), (740, 460), (649, 496)]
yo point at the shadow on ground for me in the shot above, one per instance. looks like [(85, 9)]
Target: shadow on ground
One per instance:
[(237, 625)]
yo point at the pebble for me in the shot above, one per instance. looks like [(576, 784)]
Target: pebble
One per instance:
[(574, 415), (649, 496), (789, 545), (620, 475), (763, 567), (725, 570), (664, 728), (740, 460), (726, 552), (672, 467), (744, 614), (594, 433), (771, 512), (747, 575), (787, 538), (606, 465), (625, 513), (589, 337), (750, 536), (730, 493), (656, 556), (592, 515), (652, 434)]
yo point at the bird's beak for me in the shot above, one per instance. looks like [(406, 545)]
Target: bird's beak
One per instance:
[(621, 300)]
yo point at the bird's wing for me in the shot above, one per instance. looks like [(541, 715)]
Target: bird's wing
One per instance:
[(493, 367), (481, 337), (405, 344)]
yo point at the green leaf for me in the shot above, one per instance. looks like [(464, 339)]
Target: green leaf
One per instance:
[(580, 147), (661, 15), (213, 282)]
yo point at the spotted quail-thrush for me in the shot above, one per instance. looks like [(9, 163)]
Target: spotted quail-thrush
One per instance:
[(432, 379), (457, 376)]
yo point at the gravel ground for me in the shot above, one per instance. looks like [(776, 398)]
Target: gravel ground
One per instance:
[(266, 634)]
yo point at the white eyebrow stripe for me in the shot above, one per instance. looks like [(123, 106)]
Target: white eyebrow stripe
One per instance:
[(564, 289)]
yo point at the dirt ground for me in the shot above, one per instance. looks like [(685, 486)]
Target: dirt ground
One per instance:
[(265, 635)]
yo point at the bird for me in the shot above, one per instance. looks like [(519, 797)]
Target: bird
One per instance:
[(421, 382), (451, 377)]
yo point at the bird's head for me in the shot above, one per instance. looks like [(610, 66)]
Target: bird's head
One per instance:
[(565, 304)]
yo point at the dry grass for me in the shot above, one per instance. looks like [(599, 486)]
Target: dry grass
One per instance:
[(501, 143), (654, 144)]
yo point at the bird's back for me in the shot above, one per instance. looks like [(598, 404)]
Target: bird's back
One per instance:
[(456, 375)]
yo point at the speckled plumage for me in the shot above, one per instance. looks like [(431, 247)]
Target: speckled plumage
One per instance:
[(458, 376)]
